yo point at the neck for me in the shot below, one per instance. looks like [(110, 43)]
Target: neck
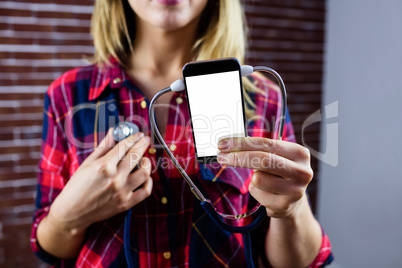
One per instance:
[(161, 52)]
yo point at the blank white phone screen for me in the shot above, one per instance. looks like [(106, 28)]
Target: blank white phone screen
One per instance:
[(216, 109)]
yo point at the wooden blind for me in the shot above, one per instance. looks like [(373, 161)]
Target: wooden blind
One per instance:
[(41, 39)]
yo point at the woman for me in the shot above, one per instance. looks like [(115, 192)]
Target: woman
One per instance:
[(86, 181)]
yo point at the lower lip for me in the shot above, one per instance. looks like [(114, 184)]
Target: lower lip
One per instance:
[(170, 2)]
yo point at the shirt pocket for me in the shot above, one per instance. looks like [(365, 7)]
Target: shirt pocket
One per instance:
[(238, 178), (227, 188)]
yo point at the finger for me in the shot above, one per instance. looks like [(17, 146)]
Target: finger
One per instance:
[(277, 205), (138, 177), (140, 194), (133, 156), (262, 161), (270, 163), (271, 183), (104, 146), (119, 151), (289, 150)]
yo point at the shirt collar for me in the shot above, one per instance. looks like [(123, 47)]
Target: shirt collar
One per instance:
[(111, 75)]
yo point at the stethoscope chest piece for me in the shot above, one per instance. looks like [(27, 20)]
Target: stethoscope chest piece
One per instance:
[(124, 129)]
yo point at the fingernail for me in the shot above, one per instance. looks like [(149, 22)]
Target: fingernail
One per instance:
[(140, 137), (223, 158), (253, 179), (147, 138), (224, 145), (134, 138)]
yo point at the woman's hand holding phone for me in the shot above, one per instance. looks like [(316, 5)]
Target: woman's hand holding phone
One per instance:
[(282, 171), (102, 187), (281, 174)]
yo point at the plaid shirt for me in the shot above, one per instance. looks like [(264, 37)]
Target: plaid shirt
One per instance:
[(169, 228)]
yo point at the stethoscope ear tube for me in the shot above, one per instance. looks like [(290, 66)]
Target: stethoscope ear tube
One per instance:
[(282, 87), (194, 189), (261, 213), (244, 230)]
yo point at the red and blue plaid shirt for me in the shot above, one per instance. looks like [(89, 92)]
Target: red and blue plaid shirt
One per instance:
[(169, 228)]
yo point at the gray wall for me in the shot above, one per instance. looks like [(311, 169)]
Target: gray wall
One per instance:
[(360, 201)]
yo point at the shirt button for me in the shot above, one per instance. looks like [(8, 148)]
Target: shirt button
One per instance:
[(179, 100), (167, 255), (151, 150), (164, 200), (116, 80), (143, 104), (173, 147)]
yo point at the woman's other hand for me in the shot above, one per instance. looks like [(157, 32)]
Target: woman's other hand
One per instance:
[(101, 187)]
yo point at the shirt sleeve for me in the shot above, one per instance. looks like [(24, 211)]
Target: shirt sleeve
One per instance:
[(324, 256), (53, 171)]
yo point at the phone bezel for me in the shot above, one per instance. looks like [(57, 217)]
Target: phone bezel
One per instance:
[(211, 67)]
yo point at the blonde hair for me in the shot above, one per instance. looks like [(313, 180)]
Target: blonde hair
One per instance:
[(221, 34)]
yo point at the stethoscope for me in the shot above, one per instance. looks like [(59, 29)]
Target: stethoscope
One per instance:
[(124, 129)]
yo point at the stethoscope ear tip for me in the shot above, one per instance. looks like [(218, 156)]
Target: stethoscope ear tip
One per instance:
[(246, 70), (177, 85)]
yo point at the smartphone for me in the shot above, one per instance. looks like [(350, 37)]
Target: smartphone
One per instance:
[(214, 92)]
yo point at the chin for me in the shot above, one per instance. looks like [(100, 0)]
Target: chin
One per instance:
[(172, 23)]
